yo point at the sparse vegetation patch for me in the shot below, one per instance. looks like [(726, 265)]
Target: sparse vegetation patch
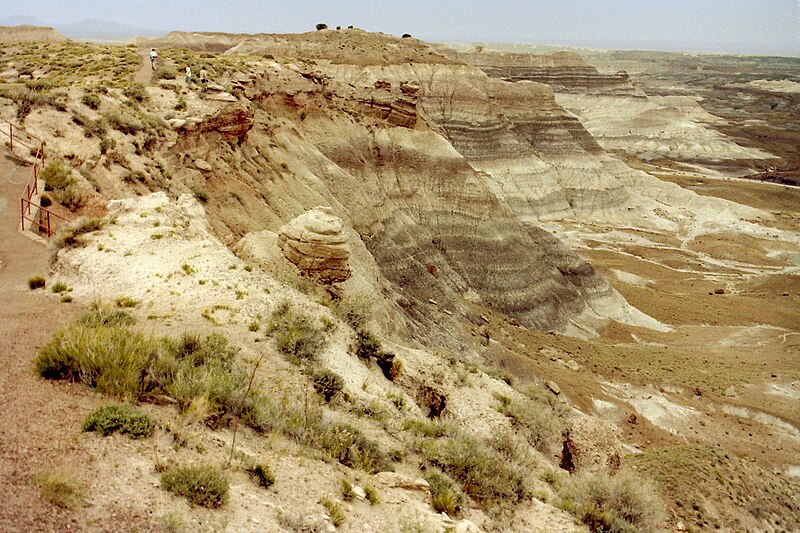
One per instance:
[(123, 418), (201, 485)]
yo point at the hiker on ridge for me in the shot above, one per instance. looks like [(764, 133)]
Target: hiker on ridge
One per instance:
[(153, 57), (188, 75)]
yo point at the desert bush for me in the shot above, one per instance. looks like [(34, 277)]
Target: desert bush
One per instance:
[(123, 418), (321, 26), (180, 105), (106, 144), (355, 311), (201, 485), (97, 127), (91, 100), (70, 235), (483, 475), (125, 301), (347, 491), (372, 495), (60, 489), (36, 282), (350, 447), (367, 345), (262, 475), (296, 334), (123, 122), (117, 361), (70, 197), (334, 511), (446, 497), (623, 503), (327, 383), (135, 91), (303, 423), (56, 176), (59, 287), (105, 316), (538, 423), (431, 428), (166, 73), (45, 201)]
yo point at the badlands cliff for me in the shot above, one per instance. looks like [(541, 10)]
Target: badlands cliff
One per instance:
[(504, 215)]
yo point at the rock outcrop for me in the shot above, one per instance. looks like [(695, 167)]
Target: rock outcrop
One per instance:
[(316, 243), (593, 445), (233, 121)]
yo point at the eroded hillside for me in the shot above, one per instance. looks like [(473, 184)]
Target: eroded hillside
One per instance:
[(524, 241)]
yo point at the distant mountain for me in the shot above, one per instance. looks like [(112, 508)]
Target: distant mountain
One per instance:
[(90, 29)]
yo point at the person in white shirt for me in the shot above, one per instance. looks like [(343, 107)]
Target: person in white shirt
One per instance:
[(153, 57), (188, 75)]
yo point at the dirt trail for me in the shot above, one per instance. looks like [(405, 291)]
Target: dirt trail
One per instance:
[(37, 419), (145, 73)]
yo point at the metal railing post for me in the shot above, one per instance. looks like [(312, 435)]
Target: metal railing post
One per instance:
[(11, 135), (22, 213), (49, 232)]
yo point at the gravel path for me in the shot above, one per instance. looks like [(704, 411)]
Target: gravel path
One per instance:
[(37, 419)]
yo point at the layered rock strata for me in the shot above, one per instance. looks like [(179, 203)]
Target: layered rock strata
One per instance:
[(317, 245)]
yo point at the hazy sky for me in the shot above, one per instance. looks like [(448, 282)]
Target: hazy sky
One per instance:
[(731, 25)]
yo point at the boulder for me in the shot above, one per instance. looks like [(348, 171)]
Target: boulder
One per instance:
[(316, 244), (400, 481), (203, 165), (591, 444)]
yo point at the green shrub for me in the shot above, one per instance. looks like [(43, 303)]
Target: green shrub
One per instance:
[(45, 201), (91, 100), (296, 334), (201, 485), (482, 474), (350, 447), (106, 144), (97, 127), (135, 91), (58, 287), (36, 282), (262, 475), (623, 503), (537, 422), (372, 495), (348, 494), (367, 345), (180, 105), (166, 73), (334, 511), (103, 316), (356, 311), (303, 423), (431, 428), (445, 494), (56, 176), (60, 489), (71, 197), (123, 122), (117, 361), (123, 418), (70, 235), (124, 301), (327, 383)]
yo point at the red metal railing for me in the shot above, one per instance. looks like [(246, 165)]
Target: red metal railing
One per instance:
[(45, 218)]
